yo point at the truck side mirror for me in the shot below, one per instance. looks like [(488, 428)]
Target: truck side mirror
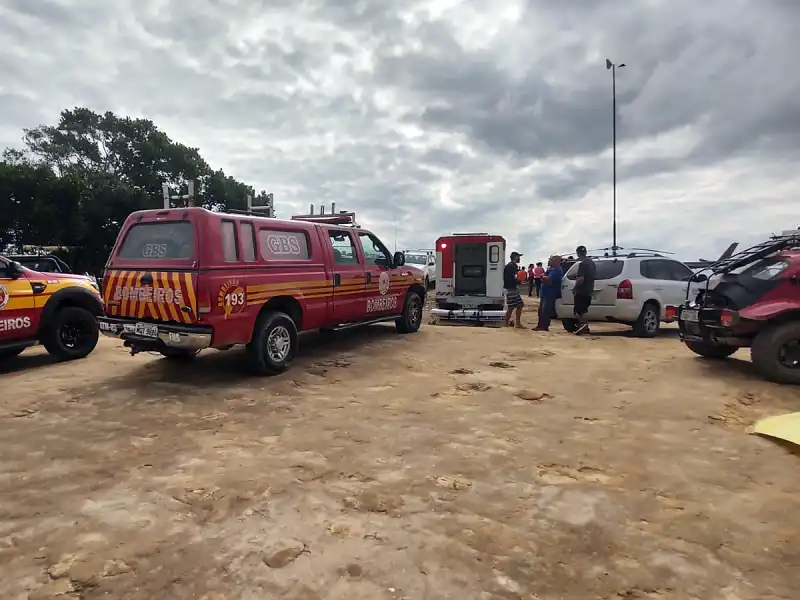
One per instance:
[(699, 277), (399, 259), (14, 270)]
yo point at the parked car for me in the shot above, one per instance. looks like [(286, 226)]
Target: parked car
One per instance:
[(426, 261), (633, 289), (755, 304), (57, 310), (182, 280), (45, 263)]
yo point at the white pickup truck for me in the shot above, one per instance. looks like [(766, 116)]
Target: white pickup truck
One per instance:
[(425, 260)]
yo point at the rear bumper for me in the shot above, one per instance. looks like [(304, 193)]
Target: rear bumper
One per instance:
[(482, 316), (184, 337)]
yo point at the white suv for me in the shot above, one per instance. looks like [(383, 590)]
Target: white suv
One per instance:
[(633, 289), (425, 260)]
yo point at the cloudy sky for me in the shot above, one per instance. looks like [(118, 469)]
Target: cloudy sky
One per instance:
[(450, 115)]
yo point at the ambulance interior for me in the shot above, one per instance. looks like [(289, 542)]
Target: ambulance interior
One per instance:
[(470, 269)]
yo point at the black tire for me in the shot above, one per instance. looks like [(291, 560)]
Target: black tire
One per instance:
[(710, 350), (274, 344), (179, 354), (72, 333), (411, 319), (570, 325), (768, 348), (10, 353), (649, 322)]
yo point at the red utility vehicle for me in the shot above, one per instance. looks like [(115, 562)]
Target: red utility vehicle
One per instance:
[(180, 280), (751, 299), (469, 277)]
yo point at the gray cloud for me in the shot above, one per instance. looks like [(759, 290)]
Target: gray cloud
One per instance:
[(488, 116)]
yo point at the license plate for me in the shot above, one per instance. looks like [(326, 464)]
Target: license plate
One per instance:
[(146, 330), (690, 316)]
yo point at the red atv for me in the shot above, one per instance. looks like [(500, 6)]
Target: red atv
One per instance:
[(751, 299)]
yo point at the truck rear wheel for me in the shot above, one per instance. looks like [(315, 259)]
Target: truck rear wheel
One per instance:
[(710, 350), (776, 352), (274, 344), (411, 319), (72, 333)]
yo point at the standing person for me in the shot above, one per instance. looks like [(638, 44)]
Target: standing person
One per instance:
[(538, 272), (522, 275), (550, 292), (530, 280), (584, 286), (513, 299)]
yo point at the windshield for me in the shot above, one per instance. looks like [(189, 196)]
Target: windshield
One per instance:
[(766, 269), (417, 259), (605, 269), (162, 240)]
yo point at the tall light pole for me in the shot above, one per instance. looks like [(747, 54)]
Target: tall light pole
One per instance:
[(614, 67)]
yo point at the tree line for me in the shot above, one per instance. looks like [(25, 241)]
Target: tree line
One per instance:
[(72, 184)]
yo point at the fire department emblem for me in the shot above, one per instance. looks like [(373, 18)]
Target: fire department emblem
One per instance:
[(383, 283), (4, 297)]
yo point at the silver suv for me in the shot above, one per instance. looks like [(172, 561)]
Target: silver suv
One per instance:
[(633, 289)]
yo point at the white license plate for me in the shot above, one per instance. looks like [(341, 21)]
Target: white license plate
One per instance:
[(146, 330), (690, 316)]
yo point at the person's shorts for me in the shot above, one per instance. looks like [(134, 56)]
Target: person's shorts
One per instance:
[(513, 299), (582, 304)]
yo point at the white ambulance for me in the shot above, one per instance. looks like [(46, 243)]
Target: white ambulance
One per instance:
[(469, 278)]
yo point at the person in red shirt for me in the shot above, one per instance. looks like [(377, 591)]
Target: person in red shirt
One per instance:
[(538, 273)]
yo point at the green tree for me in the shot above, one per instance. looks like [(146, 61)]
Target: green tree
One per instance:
[(76, 181)]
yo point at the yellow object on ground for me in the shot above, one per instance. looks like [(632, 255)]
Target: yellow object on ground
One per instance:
[(784, 427)]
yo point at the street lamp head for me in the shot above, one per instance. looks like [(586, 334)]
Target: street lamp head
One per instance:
[(609, 64), (620, 65)]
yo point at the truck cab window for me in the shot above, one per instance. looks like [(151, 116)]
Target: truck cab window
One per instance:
[(344, 249), (375, 252)]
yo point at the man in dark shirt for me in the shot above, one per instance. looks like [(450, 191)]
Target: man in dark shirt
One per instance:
[(584, 286), (550, 292), (513, 299)]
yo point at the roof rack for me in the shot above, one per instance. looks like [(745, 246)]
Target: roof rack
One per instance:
[(776, 243), (343, 217)]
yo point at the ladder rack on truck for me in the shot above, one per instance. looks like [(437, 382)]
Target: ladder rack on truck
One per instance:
[(343, 217)]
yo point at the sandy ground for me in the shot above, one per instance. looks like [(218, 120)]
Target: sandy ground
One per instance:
[(457, 463)]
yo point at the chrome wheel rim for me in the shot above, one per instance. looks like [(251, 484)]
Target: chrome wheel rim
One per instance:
[(650, 321), (414, 311), (279, 344)]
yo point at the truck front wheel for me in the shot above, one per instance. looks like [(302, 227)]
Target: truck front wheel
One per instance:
[(274, 344), (776, 352), (710, 350), (72, 333), (411, 319)]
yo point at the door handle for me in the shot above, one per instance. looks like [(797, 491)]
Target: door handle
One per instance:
[(147, 280), (369, 277), (337, 279)]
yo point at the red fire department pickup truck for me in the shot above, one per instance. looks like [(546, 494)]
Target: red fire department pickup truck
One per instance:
[(182, 280)]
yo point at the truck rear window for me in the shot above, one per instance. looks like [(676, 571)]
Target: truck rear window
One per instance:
[(159, 241), (605, 269)]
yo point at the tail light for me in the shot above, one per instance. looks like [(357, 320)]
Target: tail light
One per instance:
[(670, 312), (625, 290), (727, 318), (203, 302)]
